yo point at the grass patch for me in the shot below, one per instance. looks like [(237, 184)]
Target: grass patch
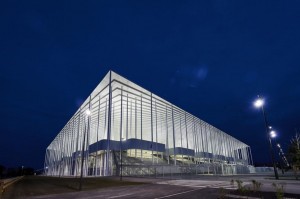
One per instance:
[(41, 185)]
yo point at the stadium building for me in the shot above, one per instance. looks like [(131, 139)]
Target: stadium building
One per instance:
[(122, 128)]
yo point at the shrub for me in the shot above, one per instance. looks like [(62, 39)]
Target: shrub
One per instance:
[(279, 190), (222, 193), (232, 182), (256, 185), (239, 184)]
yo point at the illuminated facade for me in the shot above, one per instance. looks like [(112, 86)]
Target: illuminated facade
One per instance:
[(122, 123)]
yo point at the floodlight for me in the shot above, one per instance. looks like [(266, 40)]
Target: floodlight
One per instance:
[(259, 103)]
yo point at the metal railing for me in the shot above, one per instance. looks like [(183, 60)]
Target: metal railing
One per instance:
[(182, 171)]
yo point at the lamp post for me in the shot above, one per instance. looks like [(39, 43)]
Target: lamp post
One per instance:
[(45, 170), (88, 113), (259, 103), (41, 169), (280, 156)]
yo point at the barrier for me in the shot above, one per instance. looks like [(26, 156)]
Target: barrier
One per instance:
[(4, 183)]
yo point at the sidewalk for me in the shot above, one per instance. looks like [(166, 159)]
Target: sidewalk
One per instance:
[(289, 183)]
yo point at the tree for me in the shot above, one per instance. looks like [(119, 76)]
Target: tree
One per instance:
[(2, 170), (294, 154)]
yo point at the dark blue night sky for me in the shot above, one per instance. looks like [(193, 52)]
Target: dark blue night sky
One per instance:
[(211, 58)]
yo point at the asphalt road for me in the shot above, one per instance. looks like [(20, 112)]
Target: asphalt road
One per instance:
[(156, 191), (202, 187)]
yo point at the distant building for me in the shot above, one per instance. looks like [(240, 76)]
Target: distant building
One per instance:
[(155, 137)]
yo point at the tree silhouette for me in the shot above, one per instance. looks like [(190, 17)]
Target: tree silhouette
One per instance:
[(294, 154), (2, 170)]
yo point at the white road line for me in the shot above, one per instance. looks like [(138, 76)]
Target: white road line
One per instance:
[(178, 193), (121, 195), (204, 185), (92, 197), (188, 185), (238, 196), (101, 196), (217, 185)]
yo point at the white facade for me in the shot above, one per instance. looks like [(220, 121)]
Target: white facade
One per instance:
[(122, 116)]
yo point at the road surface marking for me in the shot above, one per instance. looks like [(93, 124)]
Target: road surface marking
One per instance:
[(178, 193), (238, 196), (121, 195)]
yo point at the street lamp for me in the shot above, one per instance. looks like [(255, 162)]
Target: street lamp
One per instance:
[(87, 113), (273, 134), (259, 103), (41, 169), (45, 170), (281, 154)]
